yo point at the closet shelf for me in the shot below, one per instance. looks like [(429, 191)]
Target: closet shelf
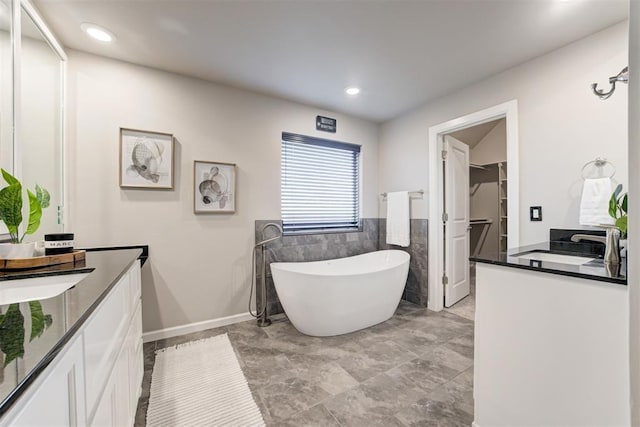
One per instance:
[(476, 221), (483, 166)]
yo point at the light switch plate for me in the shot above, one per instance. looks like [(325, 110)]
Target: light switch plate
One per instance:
[(535, 213)]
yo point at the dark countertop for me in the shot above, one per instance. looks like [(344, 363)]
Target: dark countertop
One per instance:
[(37, 330), (593, 270)]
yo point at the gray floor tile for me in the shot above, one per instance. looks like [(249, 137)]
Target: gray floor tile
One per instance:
[(449, 357), (462, 345), (426, 374), (413, 369), (328, 375), (314, 417), (266, 372), (407, 307), (373, 357), (428, 413), (465, 308), (465, 378), (291, 396)]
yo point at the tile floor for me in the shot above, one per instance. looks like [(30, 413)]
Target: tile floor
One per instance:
[(416, 369), (466, 307)]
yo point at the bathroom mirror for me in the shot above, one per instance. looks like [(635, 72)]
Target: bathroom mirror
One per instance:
[(39, 124), (6, 87)]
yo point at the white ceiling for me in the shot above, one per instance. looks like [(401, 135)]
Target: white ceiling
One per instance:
[(402, 53)]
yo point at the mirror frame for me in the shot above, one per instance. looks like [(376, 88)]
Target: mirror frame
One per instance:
[(17, 6)]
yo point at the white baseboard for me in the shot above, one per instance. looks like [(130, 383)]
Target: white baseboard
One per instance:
[(194, 327), (474, 424)]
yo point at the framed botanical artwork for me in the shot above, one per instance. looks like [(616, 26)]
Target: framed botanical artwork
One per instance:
[(214, 187), (146, 159)]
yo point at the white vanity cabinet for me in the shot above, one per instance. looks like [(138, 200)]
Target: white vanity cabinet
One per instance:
[(550, 350), (58, 397), (96, 379), (113, 355)]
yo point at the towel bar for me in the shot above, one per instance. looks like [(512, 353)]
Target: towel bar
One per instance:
[(420, 192)]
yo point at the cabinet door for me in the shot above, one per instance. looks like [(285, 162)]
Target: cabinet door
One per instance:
[(113, 408), (103, 338), (136, 358), (59, 399)]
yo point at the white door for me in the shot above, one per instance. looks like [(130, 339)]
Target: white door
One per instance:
[(456, 220)]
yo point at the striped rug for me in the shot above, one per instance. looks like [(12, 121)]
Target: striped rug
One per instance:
[(201, 384)]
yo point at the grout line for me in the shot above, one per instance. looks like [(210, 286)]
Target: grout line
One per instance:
[(332, 415)]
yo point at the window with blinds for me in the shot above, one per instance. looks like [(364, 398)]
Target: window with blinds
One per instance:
[(319, 183)]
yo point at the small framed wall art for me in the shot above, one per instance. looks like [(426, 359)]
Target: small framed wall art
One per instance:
[(214, 187), (146, 159)]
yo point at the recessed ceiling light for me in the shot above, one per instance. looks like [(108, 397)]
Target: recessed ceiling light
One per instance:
[(97, 32), (352, 90)]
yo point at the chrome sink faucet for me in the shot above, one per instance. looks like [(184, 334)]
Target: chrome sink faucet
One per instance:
[(611, 241)]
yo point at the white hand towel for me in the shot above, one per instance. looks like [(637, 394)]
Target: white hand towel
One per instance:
[(398, 218), (594, 206)]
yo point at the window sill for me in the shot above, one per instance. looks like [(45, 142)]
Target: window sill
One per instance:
[(324, 231)]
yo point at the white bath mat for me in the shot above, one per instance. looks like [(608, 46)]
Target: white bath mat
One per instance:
[(201, 384)]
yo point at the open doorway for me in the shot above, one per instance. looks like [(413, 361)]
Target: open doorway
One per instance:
[(473, 195), (485, 226)]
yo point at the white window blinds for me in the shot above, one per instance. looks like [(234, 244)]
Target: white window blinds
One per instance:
[(319, 183)]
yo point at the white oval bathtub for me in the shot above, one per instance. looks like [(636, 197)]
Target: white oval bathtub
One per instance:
[(338, 296)]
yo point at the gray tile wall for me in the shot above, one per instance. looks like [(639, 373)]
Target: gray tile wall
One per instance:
[(415, 290), (318, 247)]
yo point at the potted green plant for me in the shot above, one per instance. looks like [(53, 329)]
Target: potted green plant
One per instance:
[(11, 216), (618, 211)]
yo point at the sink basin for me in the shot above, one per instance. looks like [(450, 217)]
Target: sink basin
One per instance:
[(37, 288), (557, 258)]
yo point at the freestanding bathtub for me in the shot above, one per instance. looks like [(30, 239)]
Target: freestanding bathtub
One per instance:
[(338, 296)]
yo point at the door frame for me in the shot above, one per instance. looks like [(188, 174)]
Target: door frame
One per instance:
[(508, 110)]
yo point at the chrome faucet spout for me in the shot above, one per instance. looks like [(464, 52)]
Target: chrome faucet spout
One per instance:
[(271, 239), (588, 237), (611, 241)]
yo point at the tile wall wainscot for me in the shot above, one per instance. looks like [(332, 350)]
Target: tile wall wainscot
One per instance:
[(416, 288), (318, 247)]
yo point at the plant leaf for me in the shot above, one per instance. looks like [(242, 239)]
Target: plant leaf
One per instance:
[(35, 213), (11, 207), (613, 206), (12, 334), (617, 191), (624, 203), (37, 319), (621, 223), (43, 196), (11, 180)]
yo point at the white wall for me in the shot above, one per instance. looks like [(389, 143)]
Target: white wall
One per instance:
[(562, 125), (200, 264)]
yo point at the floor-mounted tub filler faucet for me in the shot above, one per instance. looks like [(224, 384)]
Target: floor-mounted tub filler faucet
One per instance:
[(262, 316), (611, 241)]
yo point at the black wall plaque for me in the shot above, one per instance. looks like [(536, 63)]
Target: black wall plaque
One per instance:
[(326, 124)]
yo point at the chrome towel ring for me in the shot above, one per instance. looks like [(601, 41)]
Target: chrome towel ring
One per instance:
[(600, 163)]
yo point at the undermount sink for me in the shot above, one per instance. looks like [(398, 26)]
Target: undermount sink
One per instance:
[(557, 258), (37, 288)]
